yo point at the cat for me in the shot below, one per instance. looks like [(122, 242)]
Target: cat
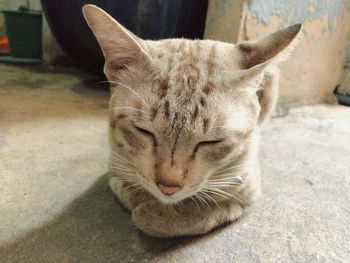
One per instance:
[(185, 117)]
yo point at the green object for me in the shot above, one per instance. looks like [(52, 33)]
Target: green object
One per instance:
[(4, 52), (24, 32), (20, 60)]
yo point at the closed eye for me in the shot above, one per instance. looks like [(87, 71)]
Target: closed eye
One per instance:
[(205, 143), (148, 134)]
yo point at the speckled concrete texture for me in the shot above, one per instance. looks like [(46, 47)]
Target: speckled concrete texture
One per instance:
[(55, 204)]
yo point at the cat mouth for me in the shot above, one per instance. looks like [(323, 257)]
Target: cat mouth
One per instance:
[(167, 194), (168, 189)]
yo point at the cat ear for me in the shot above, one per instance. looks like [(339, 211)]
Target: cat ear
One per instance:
[(270, 49), (256, 56), (120, 47)]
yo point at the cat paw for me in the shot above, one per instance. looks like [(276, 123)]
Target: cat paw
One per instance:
[(159, 220), (151, 218)]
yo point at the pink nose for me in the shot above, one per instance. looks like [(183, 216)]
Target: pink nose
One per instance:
[(168, 190)]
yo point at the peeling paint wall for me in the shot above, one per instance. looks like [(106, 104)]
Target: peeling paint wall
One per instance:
[(223, 20), (315, 67), (297, 11)]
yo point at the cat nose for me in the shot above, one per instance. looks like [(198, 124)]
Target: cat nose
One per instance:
[(168, 190)]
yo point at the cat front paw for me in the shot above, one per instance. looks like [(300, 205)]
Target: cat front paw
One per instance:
[(152, 218), (160, 220)]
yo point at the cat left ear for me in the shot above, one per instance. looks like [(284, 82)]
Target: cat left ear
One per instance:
[(273, 48), (120, 47)]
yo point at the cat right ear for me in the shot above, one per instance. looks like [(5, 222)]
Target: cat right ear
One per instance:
[(271, 49), (120, 47)]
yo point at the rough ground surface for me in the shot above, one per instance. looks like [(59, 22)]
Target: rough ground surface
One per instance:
[(55, 205)]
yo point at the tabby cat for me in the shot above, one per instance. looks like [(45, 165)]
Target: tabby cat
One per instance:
[(185, 117)]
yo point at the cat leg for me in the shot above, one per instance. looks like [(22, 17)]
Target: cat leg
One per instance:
[(160, 220), (128, 195)]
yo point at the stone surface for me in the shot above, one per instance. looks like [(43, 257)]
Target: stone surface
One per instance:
[(55, 204)]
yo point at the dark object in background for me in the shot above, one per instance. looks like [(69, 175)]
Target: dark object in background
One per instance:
[(342, 98), (24, 32), (148, 19)]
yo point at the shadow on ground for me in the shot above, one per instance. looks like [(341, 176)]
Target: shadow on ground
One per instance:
[(93, 228)]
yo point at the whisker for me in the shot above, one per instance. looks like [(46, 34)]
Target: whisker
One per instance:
[(201, 199), (226, 176), (121, 157), (115, 165), (233, 167), (123, 173), (223, 184), (119, 161), (217, 191), (121, 168), (231, 172), (127, 108), (131, 185), (214, 192), (136, 187), (230, 168), (196, 196), (125, 178), (211, 198), (134, 191), (195, 201)]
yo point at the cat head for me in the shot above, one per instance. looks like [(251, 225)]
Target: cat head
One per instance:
[(182, 110)]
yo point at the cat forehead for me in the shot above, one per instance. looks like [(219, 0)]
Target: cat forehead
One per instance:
[(191, 51), (197, 66)]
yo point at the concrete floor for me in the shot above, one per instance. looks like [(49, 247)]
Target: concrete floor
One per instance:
[(55, 204)]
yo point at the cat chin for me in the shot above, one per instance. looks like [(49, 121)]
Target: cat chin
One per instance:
[(169, 199), (169, 202)]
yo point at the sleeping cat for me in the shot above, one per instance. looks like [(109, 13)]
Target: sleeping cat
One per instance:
[(185, 117)]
